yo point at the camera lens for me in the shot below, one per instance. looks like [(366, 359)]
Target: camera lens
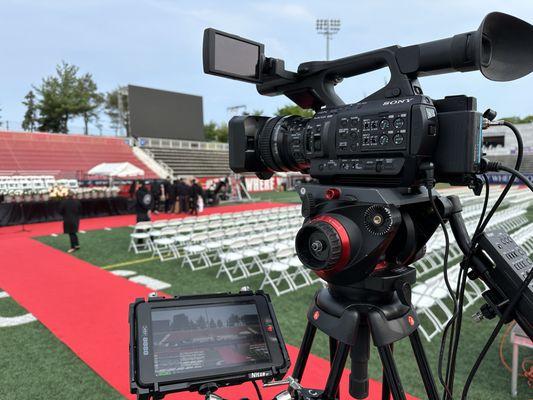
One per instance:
[(281, 143)]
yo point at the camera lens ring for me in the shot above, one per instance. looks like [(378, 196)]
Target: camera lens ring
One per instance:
[(264, 143), (277, 145)]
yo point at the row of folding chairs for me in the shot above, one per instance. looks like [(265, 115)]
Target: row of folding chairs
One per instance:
[(270, 212), (205, 252), (202, 224), (430, 299), (509, 219), (270, 254), (165, 243)]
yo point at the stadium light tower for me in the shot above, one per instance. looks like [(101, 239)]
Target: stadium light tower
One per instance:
[(236, 110), (328, 28)]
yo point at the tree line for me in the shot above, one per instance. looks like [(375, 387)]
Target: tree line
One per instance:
[(69, 94)]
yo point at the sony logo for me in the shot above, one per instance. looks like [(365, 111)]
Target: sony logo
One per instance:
[(399, 101)]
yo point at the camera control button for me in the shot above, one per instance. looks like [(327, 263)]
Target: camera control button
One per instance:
[(384, 124), (398, 139), (383, 140), (398, 123)]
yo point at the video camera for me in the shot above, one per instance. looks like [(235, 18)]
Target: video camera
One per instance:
[(383, 140)]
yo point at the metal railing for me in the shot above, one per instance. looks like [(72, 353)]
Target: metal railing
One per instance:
[(180, 144), (163, 164)]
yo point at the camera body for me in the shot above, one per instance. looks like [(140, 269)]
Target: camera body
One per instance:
[(379, 143)]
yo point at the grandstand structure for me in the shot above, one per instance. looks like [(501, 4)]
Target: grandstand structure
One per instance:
[(62, 156), (499, 143), (184, 157)]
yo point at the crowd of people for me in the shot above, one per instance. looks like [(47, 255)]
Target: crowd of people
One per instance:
[(179, 196)]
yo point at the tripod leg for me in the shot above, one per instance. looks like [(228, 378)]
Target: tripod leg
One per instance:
[(303, 354), (385, 388), (332, 350), (391, 373), (337, 366), (359, 355), (423, 366)]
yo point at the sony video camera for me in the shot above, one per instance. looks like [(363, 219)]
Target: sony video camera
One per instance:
[(383, 140)]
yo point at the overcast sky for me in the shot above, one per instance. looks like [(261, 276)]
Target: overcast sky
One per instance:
[(158, 43)]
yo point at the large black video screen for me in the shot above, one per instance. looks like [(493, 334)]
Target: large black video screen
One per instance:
[(207, 338), (163, 114)]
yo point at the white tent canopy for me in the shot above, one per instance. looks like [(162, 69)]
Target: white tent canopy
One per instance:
[(120, 170)]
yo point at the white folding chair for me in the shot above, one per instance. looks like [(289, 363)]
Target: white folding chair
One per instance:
[(194, 254), (276, 273), (140, 241), (231, 262), (164, 246)]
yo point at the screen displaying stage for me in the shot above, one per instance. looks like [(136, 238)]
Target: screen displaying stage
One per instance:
[(163, 114), (188, 339)]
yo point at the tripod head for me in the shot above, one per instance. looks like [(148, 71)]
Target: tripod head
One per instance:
[(351, 232)]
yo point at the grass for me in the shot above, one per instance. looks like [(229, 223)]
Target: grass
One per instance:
[(34, 364), (24, 346)]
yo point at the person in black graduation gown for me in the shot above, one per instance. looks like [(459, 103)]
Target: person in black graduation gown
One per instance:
[(195, 191), (143, 203), (170, 197), (70, 210), (182, 191), (155, 189)]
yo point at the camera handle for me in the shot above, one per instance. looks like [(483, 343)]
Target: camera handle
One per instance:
[(316, 80)]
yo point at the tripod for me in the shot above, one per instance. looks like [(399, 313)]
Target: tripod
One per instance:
[(378, 306)]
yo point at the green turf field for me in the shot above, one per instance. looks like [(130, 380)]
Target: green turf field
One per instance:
[(34, 364)]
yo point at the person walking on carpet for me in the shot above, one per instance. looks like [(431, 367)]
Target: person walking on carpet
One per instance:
[(143, 204), (70, 210)]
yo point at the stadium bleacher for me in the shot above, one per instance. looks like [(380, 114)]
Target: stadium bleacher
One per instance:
[(63, 156), (196, 162)]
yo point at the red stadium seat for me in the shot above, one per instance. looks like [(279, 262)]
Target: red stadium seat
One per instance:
[(66, 156)]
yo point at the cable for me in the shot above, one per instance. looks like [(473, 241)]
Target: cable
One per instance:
[(518, 163), (482, 224), (510, 308), (500, 347), (448, 286), (461, 287), (517, 174), (256, 386), (505, 316)]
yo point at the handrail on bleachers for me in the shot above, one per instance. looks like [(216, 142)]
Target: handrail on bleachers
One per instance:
[(181, 144)]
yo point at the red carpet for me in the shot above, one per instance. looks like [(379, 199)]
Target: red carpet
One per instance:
[(86, 308)]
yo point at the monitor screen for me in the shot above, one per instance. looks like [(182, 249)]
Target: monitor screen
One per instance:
[(236, 57), (206, 338)]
